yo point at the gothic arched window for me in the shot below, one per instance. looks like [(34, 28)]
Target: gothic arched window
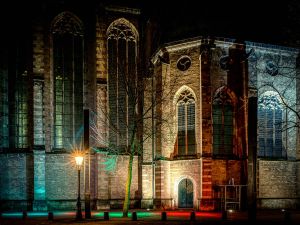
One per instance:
[(186, 124), (67, 36), (122, 40), (270, 114), (14, 97), (222, 111)]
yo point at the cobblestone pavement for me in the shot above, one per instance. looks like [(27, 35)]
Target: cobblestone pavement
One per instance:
[(273, 217)]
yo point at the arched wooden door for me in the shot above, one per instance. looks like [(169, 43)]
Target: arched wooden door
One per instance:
[(185, 194)]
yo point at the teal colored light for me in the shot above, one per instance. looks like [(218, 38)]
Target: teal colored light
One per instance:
[(12, 214), (110, 162), (37, 214), (79, 134), (20, 214), (118, 214), (39, 190)]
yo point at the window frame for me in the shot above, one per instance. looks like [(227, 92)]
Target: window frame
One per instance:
[(185, 99), (67, 40), (224, 97), (266, 134)]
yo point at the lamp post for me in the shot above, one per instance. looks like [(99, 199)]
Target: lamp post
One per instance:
[(79, 160), (86, 137)]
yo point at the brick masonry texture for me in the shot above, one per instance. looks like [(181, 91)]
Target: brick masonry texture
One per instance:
[(47, 178)]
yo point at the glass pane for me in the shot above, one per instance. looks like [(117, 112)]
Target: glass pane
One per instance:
[(68, 88), (181, 143), (269, 147), (191, 142), (191, 116), (181, 117)]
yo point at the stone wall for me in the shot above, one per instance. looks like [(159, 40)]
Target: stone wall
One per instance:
[(39, 203), (112, 175), (181, 169), (224, 170), (16, 181), (277, 184), (62, 181), (170, 82), (281, 82), (147, 186)]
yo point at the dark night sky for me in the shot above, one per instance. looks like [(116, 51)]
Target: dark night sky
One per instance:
[(257, 20)]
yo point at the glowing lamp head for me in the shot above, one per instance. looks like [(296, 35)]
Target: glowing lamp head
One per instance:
[(79, 160)]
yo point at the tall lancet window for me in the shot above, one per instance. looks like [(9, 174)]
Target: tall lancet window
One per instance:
[(67, 36), (223, 119), (4, 102), (270, 114), (14, 97), (186, 124), (122, 39), (21, 110)]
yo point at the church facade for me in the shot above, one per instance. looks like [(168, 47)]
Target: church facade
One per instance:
[(214, 121)]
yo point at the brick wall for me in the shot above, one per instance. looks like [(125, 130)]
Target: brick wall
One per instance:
[(61, 181), (39, 203), (277, 184), (16, 181), (112, 180), (173, 80), (181, 169)]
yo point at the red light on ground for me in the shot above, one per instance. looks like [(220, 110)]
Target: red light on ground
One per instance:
[(214, 215)]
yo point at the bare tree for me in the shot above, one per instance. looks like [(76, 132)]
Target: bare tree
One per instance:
[(273, 74), (278, 73), (144, 98)]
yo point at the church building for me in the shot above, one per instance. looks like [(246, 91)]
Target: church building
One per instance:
[(205, 123)]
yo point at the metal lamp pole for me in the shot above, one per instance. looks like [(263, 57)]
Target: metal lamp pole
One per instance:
[(86, 137), (79, 160)]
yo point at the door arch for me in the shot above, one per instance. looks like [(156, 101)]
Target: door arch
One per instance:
[(185, 193)]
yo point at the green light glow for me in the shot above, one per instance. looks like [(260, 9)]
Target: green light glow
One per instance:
[(145, 214), (120, 214)]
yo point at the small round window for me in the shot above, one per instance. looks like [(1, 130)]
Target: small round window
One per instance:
[(271, 68), (184, 63)]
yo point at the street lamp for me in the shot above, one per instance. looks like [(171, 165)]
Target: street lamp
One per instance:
[(79, 160)]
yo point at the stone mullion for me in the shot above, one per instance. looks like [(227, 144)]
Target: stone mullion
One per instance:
[(38, 113)]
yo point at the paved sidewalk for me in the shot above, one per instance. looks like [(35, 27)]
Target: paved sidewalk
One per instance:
[(272, 217)]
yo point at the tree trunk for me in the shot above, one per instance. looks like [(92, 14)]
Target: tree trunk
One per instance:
[(128, 186)]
